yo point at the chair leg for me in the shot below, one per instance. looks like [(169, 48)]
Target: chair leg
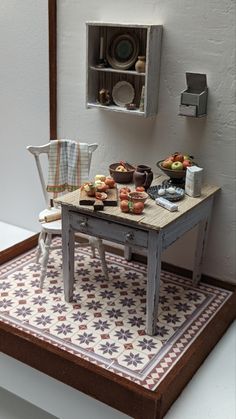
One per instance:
[(45, 257), (39, 250), (101, 251)]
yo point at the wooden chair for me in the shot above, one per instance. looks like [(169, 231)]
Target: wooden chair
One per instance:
[(49, 229)]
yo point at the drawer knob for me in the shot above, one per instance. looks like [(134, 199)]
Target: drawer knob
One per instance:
[(129, 236), (83, 224)]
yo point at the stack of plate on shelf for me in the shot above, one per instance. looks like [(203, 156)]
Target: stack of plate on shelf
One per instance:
[(123, 93)]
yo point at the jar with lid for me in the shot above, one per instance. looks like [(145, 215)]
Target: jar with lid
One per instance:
[(140, 64)]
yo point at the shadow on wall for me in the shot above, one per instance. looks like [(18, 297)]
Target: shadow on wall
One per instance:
[(129, 135)]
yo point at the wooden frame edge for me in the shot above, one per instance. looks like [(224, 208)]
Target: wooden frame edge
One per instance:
[(52, 42), (18, 249)]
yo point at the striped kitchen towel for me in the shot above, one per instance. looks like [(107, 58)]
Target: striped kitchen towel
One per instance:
[(68, 165)]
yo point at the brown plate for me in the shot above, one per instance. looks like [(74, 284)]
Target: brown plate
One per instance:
[(101, 196)]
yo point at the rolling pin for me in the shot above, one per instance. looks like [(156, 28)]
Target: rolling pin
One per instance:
[(50, 217)]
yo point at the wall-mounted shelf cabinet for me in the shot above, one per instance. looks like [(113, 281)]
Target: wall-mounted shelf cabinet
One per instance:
[(112, 52)]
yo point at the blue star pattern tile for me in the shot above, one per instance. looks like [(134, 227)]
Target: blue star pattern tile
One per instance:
[(105, 324)]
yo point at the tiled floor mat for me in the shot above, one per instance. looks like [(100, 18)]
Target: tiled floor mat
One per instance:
[(106, 322)]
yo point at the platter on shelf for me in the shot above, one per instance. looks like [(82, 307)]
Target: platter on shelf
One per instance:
[(122, 51), (161, 191), (123, 93)]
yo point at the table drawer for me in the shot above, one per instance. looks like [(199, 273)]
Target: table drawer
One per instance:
[(108, 230)]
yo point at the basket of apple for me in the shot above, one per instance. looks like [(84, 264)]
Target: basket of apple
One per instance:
[(122, 172), (132, 201), (176, 164)]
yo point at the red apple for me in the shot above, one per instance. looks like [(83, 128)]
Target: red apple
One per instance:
[(188, 157), (167, 163), (124, 196), (125, 189), (186, 163), (179, 157), (140, 189), (177, 165)]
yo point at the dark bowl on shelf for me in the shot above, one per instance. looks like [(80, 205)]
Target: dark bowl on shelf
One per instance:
[(171, 173), (121, 177)]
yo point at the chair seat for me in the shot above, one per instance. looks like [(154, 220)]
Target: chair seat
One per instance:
[(53, 226)]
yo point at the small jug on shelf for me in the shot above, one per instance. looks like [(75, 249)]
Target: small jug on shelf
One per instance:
[(104, 97), (143, 176), (140, 64)]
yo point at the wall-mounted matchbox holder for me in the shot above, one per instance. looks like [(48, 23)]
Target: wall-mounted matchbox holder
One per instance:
[(194, 98)]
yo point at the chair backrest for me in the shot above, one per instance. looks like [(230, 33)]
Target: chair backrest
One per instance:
[(44, 149)]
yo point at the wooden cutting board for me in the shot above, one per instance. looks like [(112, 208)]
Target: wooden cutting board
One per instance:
[(112, 199)]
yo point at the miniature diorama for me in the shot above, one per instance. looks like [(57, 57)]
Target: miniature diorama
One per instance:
[(92, 299)]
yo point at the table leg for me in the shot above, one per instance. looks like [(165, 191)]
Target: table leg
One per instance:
[(202, 234), (68, 244), (153, 280)]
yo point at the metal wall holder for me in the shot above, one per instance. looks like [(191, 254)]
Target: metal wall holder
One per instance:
[(194, 98)]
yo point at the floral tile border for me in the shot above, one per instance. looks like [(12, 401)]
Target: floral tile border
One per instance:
[(105, 325)]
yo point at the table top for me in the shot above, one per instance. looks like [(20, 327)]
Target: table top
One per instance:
[(153, 217)]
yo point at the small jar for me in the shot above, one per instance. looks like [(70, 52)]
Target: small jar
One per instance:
[(140, 64)]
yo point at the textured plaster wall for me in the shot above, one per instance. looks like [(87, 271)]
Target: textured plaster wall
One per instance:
[(24, 113), (198, 37)]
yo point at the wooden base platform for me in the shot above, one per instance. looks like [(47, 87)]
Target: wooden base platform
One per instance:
[(104, 385)]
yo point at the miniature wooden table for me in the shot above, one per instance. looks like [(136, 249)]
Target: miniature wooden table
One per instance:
[(155, 230)]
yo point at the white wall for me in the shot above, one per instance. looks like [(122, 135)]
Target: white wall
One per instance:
[(198, 37), (24, 109)]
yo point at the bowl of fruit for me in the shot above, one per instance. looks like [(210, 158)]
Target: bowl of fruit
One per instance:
[(138, 196), (122, 172), (132, 201), (175, 165)]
